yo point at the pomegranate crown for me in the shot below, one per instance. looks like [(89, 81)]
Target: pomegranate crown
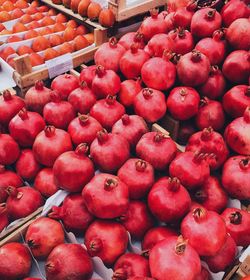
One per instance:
[(7, 95), (83, 119), (120, 274), (154, 12), (49, 130), (39, 85), (140, 165), (110, 184), (113, 42), (23, 114), (95, 246), (102, 135), (110, 99), (199, 214), (82, 149), (181, 245)]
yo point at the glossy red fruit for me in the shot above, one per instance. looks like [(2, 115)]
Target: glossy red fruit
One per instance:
[(73, 213), (115, 193), (166, 256), (193, 69), (131, 38), (10, 105), (183, 16), (236, 175), (129, 265), (158, 44), (64, 85), (44, 182), (129, 89), (109, 151), (131, 127), (204, 274), (150, 104), (156, 148), (73, 169), (74, 260), (107, 111), (15, 261), (205, 230), (236, 135), (169, 20), (4, 221), (9, 149), (190, 168), (237, 223), (105, 82), (41, 240), (183, 103), (210, 114), (182, 41), (51, 143), (87, 75), (100, 238), (25, 126), (168, 200), (22, 202), (236, 100), (37, 96)]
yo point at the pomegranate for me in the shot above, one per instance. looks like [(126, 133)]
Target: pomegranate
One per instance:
[(236, 175), (182, 41), (152, 25), (210, 142), (131, 38), (138, 175), (9, 149), (41, 240), (158, 43), (237, 223), (109, 151), (87, 75), (82, 99), (210, 114), (168, 200), (204, 22), (166, 256), (10, 105), (49, 144), (37, 96), (106, 82), (224, 258), (236, 100), (183, 16), (100, 238), (236, 135), (211, 195), (156, 148), (169, 20), (44, 182), (4, 221), (204, 274), (130, 264), (137, 219), (205, 230), (115, 193), (129, 89), (109, 54), (215, 86), (183, 103), (25, 126), (64, 85), (22, 202), (107, 111), (236, 66), (150, 104), (132, 61), (15, 261), (190, 168), (193, 69), (26, 166), (131, 127), (74, 262), (159, 73), (73, 169), (57, 112)]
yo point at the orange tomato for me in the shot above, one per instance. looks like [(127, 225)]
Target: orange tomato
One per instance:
[(69, 34), (7, 52), (36, 59), (90, 38), (47, 21), (59, 27), (83, 7), (19, 27), (246, 278), (34, 4), (74, 5), (50, 54), (17, 13), (22, 4), (45, 31), (81, 30), (40, 43), (52, 12), (66, 3), (55, 40), (43, 9), (72, 23), (66, 48), (30, 34), (94, 10), (61, 18), (33, 25), (14, 38), (80, 42), (24, 50), (106, 18), (4, 16), (31, 10), (26, 18), (38, 16), (8, 6)]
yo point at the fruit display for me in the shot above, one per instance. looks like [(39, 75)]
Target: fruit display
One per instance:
[(137, 204)]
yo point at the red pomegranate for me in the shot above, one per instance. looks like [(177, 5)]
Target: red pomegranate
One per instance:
[(131, 38), (205, 230), (129, 89), (41, 240), (156, 148), (158, 44), (100, 238), (204, 274), (9, 149), (111, 188), (4, 221), (87, 75), (169, 20), (25, 126), (51, 143), (182, 41), (109, 151)]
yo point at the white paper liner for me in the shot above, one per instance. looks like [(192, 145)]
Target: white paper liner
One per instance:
[(6, 73)]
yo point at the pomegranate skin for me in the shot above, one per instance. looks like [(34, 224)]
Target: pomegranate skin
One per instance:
[(15, 261), (157, 44), (100, 238), (204, 275), (87, 75), (41, 240), (182, 41), (4, 221), (9, 149), (115, 192), (129, 89), (131, 38), (236, 175), (166, 256), (168, 200), (200, 226), (138, 175), (183, 16), (67, 261), (236, 100), (156, 148), (238, 224)]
